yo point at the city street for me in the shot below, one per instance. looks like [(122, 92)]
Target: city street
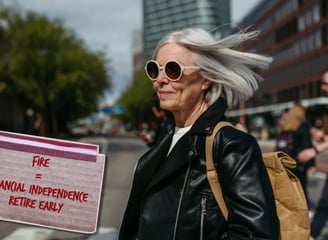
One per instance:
[(122, 152)]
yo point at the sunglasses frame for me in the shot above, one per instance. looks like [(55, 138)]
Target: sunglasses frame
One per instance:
[(160, 68)]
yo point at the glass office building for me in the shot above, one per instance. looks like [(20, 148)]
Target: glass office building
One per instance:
[(163, 16)]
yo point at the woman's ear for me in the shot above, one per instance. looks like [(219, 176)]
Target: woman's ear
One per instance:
[(206, 84)]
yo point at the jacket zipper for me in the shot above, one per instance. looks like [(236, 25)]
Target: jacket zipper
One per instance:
[(202, 217), (180, 202)]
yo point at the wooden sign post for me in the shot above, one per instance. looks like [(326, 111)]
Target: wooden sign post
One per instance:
[(50, 182)]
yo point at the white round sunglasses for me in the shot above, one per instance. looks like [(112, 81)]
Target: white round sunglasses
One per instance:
[(173, 70)]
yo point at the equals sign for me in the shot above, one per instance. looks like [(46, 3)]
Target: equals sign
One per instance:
[(38, 175)]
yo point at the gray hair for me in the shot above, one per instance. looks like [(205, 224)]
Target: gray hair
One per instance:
[(232, 72)]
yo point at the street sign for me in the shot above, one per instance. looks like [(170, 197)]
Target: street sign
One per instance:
[(116, 109)]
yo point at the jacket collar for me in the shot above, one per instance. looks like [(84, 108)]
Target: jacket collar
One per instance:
[(207, 121), (184, 151), (180, 155)]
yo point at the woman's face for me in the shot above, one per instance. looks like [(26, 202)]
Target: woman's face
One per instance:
[(185, 94)]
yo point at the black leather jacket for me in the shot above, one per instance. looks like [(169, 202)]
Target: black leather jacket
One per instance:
[(171, 198)]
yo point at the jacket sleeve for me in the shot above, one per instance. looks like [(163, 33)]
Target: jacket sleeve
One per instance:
[(246, 187)]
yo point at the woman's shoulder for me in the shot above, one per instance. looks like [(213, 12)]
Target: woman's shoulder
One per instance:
[(237, 148), (237, 135)]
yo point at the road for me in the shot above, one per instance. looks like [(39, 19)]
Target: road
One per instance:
[(122, 152)]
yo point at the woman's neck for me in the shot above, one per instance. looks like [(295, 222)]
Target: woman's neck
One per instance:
[(188, 118)]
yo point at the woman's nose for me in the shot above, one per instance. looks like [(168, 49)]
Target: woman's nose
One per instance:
[(161, 78)]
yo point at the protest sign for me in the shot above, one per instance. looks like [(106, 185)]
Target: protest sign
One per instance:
[(50, 182)]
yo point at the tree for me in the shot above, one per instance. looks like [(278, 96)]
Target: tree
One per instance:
[(137, 100), (51, 70)]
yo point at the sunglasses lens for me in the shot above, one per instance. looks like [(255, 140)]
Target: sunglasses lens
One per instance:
[(173, 70), (152, 70)]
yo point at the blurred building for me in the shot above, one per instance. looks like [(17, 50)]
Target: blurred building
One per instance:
[(161, 17), (295, 34), (137, 51)]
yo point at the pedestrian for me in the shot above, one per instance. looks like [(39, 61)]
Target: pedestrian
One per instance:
[(197, 78), (321, 211), (295, 136), (164, 123)]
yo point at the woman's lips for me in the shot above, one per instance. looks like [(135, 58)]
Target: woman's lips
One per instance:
[(164, 93)]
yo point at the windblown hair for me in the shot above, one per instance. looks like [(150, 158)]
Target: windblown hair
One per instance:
[(232, 72)]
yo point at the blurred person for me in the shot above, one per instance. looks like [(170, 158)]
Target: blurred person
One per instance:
[(197, 78), (321, 211), (265, 131), (164, 124), (295, 136)]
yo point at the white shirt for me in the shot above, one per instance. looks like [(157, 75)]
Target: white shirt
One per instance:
[(178, 133)]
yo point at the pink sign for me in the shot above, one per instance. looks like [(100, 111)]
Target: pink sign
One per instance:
[(50, 182)]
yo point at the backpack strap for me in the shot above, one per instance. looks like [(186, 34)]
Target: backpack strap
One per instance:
[(211, 171)]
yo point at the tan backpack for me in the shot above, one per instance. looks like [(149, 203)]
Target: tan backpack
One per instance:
[(291, 203)]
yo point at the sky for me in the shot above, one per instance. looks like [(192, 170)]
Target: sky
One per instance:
[(107, 25)]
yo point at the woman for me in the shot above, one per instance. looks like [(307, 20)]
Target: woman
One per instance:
[(197, 78), (294, 137)]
